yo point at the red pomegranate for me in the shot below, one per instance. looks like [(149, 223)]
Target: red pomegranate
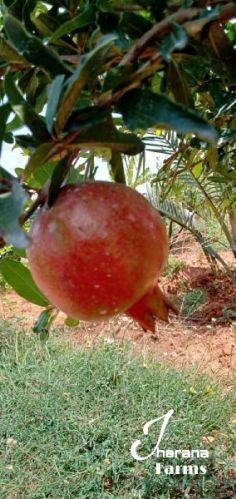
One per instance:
[(98, 251)]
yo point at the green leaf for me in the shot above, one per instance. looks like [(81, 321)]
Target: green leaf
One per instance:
[(44, 172), (4, 113), (38, 158), (47, 24), (70, 322), (143, 109), (54, 94), (11, 206), (26, 142), (83, 20), (117, 168), (86, 117), (32, 48), (89, 64), (56, 180), (106, 135), (20, 279), (4, 174), (44, 322), (135, 25), (9, 54), (176, 40), (25, 112)]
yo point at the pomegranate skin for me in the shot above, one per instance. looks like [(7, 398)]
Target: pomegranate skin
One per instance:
[(97, 250)]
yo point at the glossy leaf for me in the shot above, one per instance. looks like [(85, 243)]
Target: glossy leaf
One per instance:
[(12, 201), (32, 48), (135, 25), (82, 20), (9, 53), (86, 117), (117, 168), (20, 279), (143, 109), (106, 135), (89, 64), (43, 173), (54, 94), (25, 112), (44, 321), (57, 178), (38, 158), (5, 110)]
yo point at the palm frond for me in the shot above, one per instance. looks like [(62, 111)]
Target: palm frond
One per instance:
[(185, 219)]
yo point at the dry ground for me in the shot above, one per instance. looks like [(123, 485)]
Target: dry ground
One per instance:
[(197, 341)]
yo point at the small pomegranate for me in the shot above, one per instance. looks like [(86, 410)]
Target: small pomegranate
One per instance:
[(98, 251)]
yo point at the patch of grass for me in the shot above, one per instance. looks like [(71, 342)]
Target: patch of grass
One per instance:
[(192, 302), (69, 417), (174, 265)]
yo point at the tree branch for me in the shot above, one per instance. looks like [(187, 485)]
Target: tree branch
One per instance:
[(164, 27)]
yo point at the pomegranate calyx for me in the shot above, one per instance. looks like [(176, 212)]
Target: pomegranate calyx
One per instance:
[(151, 306)]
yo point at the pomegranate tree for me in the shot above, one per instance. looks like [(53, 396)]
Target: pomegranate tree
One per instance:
[(98, 251)]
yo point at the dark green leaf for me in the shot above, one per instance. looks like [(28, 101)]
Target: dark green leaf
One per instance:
[(32, 48), (20, 253), (83, 20), (12, 202), (26, 142), (25, 112), (47, 25), (20, 279), (56, 180), (4, 113), (135, 25), (117, 168), (38, 158), (86, 117), (89, 64), (115, 77), (107, 135), (54, 94), (44, 321), (143, 109), (4, 174), (9, 54)]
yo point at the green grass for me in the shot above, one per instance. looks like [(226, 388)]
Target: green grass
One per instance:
[(192, 301), (73, 415), (173, 266)]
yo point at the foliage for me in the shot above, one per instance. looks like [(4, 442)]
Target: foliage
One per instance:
[(60, 428), (81, 77), (174, 265), (206, 194), (192, 302)]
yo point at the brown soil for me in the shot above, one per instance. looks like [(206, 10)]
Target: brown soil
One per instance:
[(206, 340)]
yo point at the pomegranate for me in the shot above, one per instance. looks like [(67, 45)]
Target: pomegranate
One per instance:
[(98, 251)]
